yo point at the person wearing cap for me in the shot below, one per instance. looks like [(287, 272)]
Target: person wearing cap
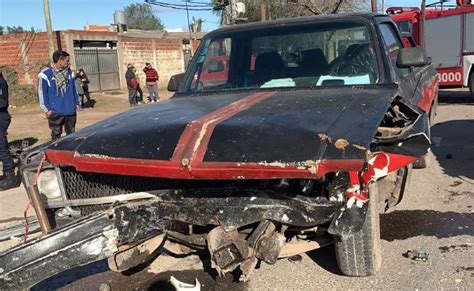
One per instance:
[(132, 84), (151, 82)]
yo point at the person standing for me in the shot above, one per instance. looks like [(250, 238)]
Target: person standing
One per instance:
[(79, 88), (58, 96), (152, 82), (139, 89), (9, 179), (132, 84), (85, 87)]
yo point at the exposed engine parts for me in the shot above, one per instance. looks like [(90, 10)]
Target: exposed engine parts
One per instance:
[(397, 119)]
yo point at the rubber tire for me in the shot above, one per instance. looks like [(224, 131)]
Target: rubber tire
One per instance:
[(361, 255), (471, 83)]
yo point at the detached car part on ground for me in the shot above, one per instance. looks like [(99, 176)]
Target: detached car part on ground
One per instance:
[(311, 134)]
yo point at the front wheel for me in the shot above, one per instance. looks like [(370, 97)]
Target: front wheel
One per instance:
[(360, 255)]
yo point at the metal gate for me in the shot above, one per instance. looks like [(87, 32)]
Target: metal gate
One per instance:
[(100, 66)]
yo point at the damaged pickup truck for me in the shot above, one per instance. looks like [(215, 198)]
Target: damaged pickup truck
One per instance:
[(311, 135)]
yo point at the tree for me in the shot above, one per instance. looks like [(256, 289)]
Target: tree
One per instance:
[(293, 8), (140, 16), (15, 29), (1, 30)]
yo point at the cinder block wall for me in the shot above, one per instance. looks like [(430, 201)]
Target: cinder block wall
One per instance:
[(27, 53), (165, 55)]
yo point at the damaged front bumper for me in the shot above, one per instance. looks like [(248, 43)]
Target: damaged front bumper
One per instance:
[(102, 235)]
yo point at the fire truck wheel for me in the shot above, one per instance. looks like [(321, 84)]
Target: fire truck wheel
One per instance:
[(471, 83), (360, 255)]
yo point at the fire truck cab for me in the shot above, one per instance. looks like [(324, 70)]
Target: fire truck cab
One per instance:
[(448, 38)]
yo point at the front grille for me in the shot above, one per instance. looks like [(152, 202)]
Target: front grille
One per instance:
[(83, 185), (80, 185)]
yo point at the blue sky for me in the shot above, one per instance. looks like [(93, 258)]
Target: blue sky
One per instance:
[(74, 14)]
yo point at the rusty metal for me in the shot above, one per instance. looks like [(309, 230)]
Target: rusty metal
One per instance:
[(132, 256), (227, 249), (39, 209), (89, 239), (266, 242), (296, 246)]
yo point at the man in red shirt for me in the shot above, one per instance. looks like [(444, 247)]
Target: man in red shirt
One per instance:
[(151, 82)]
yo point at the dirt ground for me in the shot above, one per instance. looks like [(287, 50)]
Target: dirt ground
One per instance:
[(436, 216), (28, 122)]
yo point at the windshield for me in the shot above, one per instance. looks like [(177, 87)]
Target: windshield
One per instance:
[(321, 54)]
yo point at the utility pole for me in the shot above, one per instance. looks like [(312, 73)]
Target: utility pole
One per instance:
[(263, 12), (49, 28), (233, 11), (422, 24), (189, 26), (373, 4)]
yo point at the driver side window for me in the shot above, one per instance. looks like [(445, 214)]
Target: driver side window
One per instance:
[(392, 47)]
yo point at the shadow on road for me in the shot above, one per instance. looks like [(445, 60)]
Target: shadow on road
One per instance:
[(455, 97), (65, 278), (326, 258), (93, 275), (453, 146), (404, 224)]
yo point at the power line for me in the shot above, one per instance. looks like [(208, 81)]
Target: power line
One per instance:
[(200, 7)]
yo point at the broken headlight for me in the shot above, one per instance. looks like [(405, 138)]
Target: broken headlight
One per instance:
[(48, 184)]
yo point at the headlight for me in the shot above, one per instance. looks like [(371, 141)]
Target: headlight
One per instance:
[(48, 184)]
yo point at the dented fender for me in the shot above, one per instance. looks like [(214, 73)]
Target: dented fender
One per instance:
[(350, 217)]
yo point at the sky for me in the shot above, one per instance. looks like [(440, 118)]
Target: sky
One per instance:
[(74, 14)]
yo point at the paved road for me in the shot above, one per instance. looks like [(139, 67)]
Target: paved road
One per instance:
[(436, 216)]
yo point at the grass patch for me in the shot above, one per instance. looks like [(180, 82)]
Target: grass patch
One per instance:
[(20, 95)]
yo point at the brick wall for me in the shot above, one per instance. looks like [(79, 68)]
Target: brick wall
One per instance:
[(165, 55), (27, 53), (170, 59)]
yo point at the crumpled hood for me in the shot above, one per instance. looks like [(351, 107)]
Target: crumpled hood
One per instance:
[(288, 126)]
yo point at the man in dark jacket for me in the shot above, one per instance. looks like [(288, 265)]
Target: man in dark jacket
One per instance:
[(132, 84), (58, 96), (8, 180)]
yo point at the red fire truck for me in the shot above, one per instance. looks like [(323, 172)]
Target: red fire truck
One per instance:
[(448, 38)]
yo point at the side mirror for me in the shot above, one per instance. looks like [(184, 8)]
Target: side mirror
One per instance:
[(174, 82), (412, 57)]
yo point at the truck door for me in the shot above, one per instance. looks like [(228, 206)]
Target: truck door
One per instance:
[(417, 85)]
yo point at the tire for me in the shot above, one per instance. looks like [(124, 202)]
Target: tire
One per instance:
[(433, 110), (360, 255), (471, 84)]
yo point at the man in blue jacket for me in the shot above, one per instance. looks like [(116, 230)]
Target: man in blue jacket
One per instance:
[(58, 96)]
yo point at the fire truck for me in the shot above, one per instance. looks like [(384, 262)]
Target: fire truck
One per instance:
[(447, 33)]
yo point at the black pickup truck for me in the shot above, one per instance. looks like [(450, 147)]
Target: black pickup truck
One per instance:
[(300, 140)]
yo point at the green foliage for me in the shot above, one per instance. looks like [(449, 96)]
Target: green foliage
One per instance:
[(140, 16), (19, 94), (15, 29)]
